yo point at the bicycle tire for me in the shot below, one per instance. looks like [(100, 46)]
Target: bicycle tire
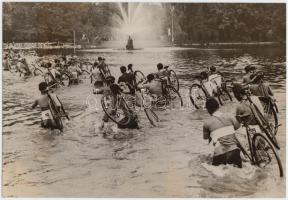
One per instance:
[(174, 83), (63, 110), (276, 107), (36, 71), (193, 97), (65, 79), (260, 149), (171, 95), (107, 71), (222, 95), (269, 109), (126, 112), (151, 115), (266, 127), (139, 76), (56, 118), (50, 80)]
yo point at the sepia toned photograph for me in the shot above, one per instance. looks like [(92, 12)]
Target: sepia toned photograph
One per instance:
[(143, 99)]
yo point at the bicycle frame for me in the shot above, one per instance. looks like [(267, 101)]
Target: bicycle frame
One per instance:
[(249, 133), (204, 88)]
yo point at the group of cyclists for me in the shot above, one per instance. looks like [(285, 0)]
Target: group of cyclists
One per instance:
[(256, 109)]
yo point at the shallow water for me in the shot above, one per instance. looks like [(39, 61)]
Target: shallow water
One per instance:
[(171, 160)]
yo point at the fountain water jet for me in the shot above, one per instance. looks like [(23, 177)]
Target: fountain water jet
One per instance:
[(141, 21)]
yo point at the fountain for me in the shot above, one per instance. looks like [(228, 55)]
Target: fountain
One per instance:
[(129, 45), (139, 21)]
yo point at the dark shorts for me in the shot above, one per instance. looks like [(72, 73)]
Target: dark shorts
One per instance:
[(231, 157), (99, 84), (133, 124)]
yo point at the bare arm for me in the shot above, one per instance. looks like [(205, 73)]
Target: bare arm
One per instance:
[(35, 104), (235, 122)]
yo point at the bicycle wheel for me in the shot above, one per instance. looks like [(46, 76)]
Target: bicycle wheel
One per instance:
[(65, 79), (173, 80), (270, 111), (173, 97), (224, 96), (63, 110), (117, 111), (37, 72), (197, 96), (152, 117), (56, 115), (266, 127), (265, 154), (139, 77), (106, 71), (50, 80)]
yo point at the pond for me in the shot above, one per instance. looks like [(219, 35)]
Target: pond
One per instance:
[(170, 160)]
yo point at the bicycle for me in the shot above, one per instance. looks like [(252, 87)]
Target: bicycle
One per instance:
[(36, 70), (269, 104), (258, 147), (270, 109), (121, 111), (198, 93), (85, 67), (57, 114), (170, 98), (268, 128), (62, 80), (138, 76), (172, 78)]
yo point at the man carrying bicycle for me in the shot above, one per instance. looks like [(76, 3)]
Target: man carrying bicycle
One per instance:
[(126, 81), (215, 78), (55, 74), (153, 85), (162, 72), (96, 75), (250, 70), (22, 67), (43, 101), (220, 129), (245, 106), (114, 90), (74, 69), (258, 87)]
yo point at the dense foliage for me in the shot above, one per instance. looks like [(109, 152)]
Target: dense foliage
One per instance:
[(231, 22), (193, 22)]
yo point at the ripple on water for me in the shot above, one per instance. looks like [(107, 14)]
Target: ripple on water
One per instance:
[(129, 162)]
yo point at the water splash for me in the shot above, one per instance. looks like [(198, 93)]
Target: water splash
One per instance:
[(135, 19)]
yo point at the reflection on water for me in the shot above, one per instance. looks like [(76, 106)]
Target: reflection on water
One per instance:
[(165, 161)]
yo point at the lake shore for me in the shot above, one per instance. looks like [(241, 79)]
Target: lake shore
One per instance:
[(216, 45)]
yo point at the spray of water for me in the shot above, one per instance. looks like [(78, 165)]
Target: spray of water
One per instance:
[(141, 21)]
